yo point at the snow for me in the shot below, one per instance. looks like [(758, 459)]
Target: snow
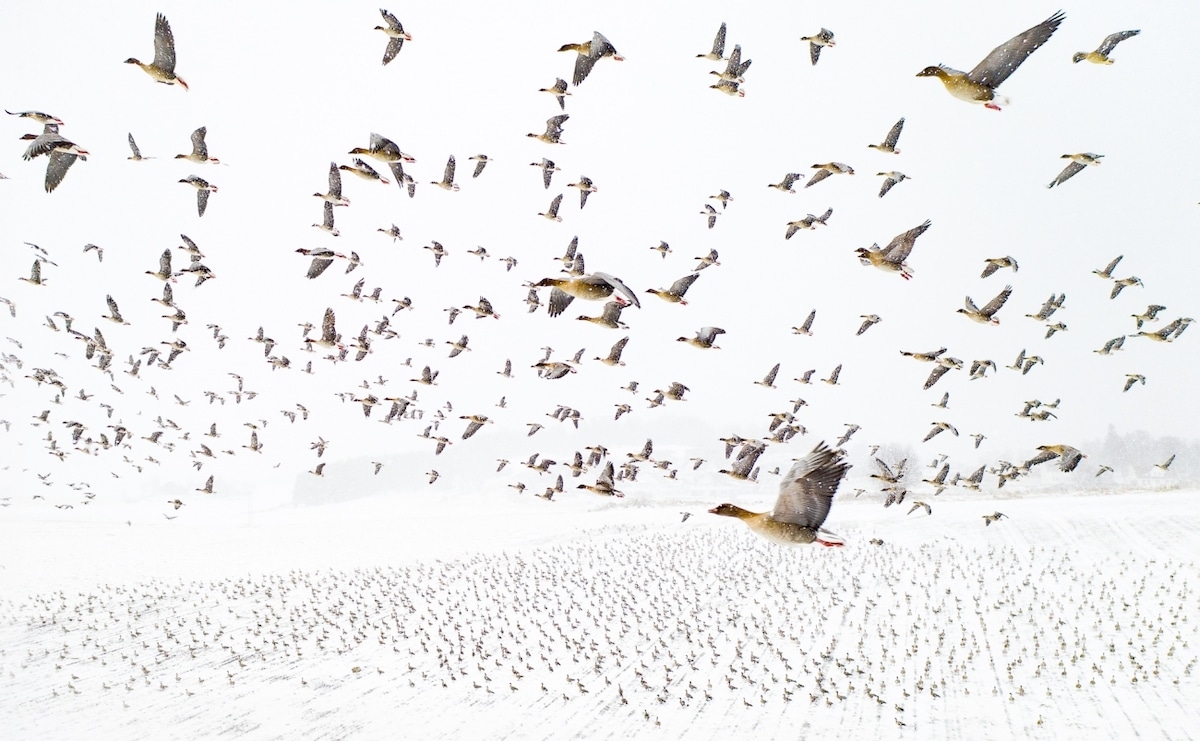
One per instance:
[(414, 616)]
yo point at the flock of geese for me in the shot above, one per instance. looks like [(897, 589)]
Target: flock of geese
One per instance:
[(675, 628), (73, 427)]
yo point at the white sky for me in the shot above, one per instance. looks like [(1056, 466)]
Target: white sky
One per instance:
[(283, 94)]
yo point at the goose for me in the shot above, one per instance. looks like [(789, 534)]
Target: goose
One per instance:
[(705, 338), (986, 315), (447, 181), (805, 498), (1100, 55), (979, 85), (199, 153), (718, 47), (203, 188), (888, 145), (559, 91), (593, 287), (394, 30), (364, 171), (162, 69), (554, 130), (590, 52), (334, 196), (893, 257), (674, 294), (818, 41), (1077, 164), (890, 179)]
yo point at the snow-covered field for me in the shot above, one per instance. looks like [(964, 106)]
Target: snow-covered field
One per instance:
[(407, 617)]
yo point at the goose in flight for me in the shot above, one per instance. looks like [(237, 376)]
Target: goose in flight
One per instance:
[(394, 30), (805, 498), (1100, 55), (199, 153), (162, 69), (590, 52), (888, 145), (979, 85), (593, 287)]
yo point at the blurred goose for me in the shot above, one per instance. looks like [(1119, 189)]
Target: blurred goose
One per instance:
[(394, 30), (735, 68), (162, 69), (994, 517), (986, 315), (704, 338), (891, 178), (816, 42), (768, 380), (364, 171), (806, 327), (723, 197), (1051, 305), (36, 117), (938, 428), (199, 153), (788, 181), (614, 353), (593, 287), (979, 85), (1068, 456), (474, 423), (554, 130), (805, 498), (552, 213), (892, 258), (481, 161), (203, 188), (136, 155), (995, 263), (711, 213), (586, 188), (321, 259), (1167, 464), (827, 169), (548, 169), (1107, 271), (385, 150), (604, 486), (334, 195), (1077, 164), (610, 317), (869, 320), (1133, 378), (1123, 283), (559, 91), (893, 137), (447, 181), (718, 47), (1100, 55), (327, 220), (61, 153), (1150, 315), (675, 293), (590, 52), (731, 88), (808, 222), (706, 260)]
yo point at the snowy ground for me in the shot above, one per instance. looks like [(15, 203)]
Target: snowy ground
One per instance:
[(1075, 617)]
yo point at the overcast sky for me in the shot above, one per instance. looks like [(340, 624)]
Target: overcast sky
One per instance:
[(285, 93)]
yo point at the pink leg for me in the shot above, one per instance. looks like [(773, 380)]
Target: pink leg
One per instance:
[(828, 544)]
